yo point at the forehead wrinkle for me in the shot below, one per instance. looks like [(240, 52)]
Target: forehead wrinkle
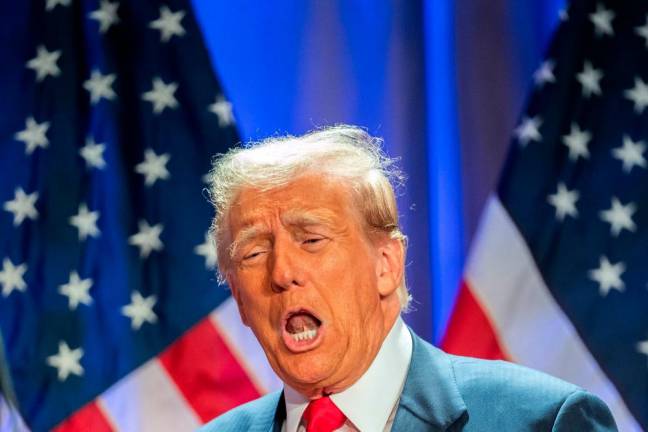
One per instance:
[(304, 217), (289, 215)]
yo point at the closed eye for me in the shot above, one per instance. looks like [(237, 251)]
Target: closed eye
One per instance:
[(313, 240), (252, 255), (314, 244)]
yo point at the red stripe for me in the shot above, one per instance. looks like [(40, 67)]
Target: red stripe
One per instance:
[(206, 372), (90, 418), (470, 331)]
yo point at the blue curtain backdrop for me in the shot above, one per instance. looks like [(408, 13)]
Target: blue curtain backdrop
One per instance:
[(442, 81)]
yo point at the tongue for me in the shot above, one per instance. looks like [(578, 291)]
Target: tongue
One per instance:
[(301, 322)]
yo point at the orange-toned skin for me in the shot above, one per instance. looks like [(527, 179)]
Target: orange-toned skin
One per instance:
[(309, 249)]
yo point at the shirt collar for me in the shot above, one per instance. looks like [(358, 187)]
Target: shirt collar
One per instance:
[(370, 400)]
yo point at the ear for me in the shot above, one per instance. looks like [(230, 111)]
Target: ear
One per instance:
[(390, 266), (231, 282)]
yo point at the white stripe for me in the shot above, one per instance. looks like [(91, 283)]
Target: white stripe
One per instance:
[(10, 420), (148, 400), (245, 347), (531, 325)]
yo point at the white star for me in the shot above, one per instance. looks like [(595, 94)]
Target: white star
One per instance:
[(51, 4), (638, 94), (643, 31), (86, 222), (22, 206), (577, 141), (34, 135), (153, 167), (590, 79), (608, 276), (92, 153), (147, 239), (642, 347), (100, 86), (76, 291), (564, 201), (545, 73), (223, 109), (45, 63), (11, 277), (168, 24), (619, 216), (602, 20), (66, 361), (140, 310), (631, 154), (161, 96), (207, 250), (106, 15), (528, 130)]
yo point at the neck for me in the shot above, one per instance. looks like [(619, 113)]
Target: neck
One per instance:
[(390, 315)]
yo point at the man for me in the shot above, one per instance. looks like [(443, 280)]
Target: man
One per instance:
[(307, 237)]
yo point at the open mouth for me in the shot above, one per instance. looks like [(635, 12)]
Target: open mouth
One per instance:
[(302, 330)]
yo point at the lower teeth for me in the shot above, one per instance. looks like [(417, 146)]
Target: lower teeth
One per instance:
[(305, 335)]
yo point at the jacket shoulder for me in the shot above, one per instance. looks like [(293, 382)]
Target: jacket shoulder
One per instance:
[(257, 414), (500, 392), (475, 376)]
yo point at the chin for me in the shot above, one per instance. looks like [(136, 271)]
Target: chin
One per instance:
[(307, 372)]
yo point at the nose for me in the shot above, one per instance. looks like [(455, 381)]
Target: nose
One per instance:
[(285, 267)]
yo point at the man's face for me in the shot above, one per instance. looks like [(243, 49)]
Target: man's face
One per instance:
[(319, 295)]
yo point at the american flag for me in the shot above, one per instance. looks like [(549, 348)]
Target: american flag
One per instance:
[(557, 278), (109, 306)]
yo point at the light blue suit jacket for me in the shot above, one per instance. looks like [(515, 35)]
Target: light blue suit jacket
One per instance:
[(449, 393)]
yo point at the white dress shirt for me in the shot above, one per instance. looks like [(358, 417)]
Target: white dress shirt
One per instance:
[(370, 403)]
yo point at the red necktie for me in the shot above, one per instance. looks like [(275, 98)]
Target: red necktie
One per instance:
[(322, 415)]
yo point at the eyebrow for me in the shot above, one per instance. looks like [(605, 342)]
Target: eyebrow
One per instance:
[(244, 235), (299, 218), (309, 217)]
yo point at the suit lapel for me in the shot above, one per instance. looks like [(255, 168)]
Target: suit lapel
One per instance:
[(430, 399), (270, 414), (279, 415)]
